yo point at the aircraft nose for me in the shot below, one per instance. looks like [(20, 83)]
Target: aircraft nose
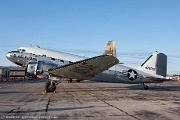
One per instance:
[(8, 55)]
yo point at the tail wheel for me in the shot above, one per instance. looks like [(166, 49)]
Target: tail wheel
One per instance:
[(146, 87), (78, 81), (50, 86)]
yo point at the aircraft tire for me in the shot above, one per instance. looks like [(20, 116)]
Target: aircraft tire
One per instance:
[(78, 81), (146, 87), (50, 88)]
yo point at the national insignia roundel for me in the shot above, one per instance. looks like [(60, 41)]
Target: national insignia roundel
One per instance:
[(132, 74)]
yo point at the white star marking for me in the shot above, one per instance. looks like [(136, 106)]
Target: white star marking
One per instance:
[(132, 74)]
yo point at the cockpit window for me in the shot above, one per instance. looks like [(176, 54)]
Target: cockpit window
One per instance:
[(15, 51), (21, 50)]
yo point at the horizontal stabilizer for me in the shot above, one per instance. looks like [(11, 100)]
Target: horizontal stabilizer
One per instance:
[(157, 79)]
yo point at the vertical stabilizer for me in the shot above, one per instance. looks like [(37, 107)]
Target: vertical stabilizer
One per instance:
[(110, 49), (156, 64)]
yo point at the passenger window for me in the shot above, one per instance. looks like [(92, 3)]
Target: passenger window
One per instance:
[(70, 62), (52, 58), (62, 61)]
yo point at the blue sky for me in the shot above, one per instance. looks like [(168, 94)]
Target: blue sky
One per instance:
[(83, 27)]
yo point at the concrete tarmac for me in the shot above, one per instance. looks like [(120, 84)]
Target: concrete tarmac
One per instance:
[(89, 101)]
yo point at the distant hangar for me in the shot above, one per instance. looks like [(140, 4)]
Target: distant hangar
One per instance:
[(12, 73), (4, 72)]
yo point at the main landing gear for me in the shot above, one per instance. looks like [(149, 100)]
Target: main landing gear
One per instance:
[(51, 86), (145, 86)]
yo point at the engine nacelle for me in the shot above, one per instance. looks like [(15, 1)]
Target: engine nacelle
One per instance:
[(39, 68)]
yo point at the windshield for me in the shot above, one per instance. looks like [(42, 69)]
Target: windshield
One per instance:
[(21, 50)]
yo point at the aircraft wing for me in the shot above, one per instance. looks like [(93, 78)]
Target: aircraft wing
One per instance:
[(84, 69)]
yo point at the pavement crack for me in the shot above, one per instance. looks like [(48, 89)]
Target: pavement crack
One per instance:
[(47, 106), (72, 95), (120, 110), (13, 110), (115, 107), (79, 101)]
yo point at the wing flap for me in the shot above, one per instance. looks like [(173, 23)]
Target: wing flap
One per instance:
[(85, 69)]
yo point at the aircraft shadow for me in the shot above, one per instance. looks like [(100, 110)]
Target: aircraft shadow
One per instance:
[(51, 109), (155, 88), (25, 81), (11, 92)]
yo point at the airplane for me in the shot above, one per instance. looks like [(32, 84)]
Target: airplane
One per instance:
[(58, 66)]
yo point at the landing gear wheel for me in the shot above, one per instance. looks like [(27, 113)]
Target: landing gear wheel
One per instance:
[(50, 86), (146, 87), (78, 81)]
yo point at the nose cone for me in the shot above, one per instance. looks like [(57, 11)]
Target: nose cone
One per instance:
[(8, 55)]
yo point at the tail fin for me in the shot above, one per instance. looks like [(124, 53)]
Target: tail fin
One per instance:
[(110, 49), (156, 64)]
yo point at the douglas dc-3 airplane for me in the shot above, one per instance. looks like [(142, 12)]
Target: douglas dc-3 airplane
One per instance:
[(58, 66)]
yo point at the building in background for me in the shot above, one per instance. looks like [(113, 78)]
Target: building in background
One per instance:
[(4, 73), (17, 72), (10, 73)]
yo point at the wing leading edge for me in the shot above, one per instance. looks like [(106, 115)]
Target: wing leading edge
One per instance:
[(84, 69)]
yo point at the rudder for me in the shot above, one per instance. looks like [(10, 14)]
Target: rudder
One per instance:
[(156, 64), (161, 68)]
